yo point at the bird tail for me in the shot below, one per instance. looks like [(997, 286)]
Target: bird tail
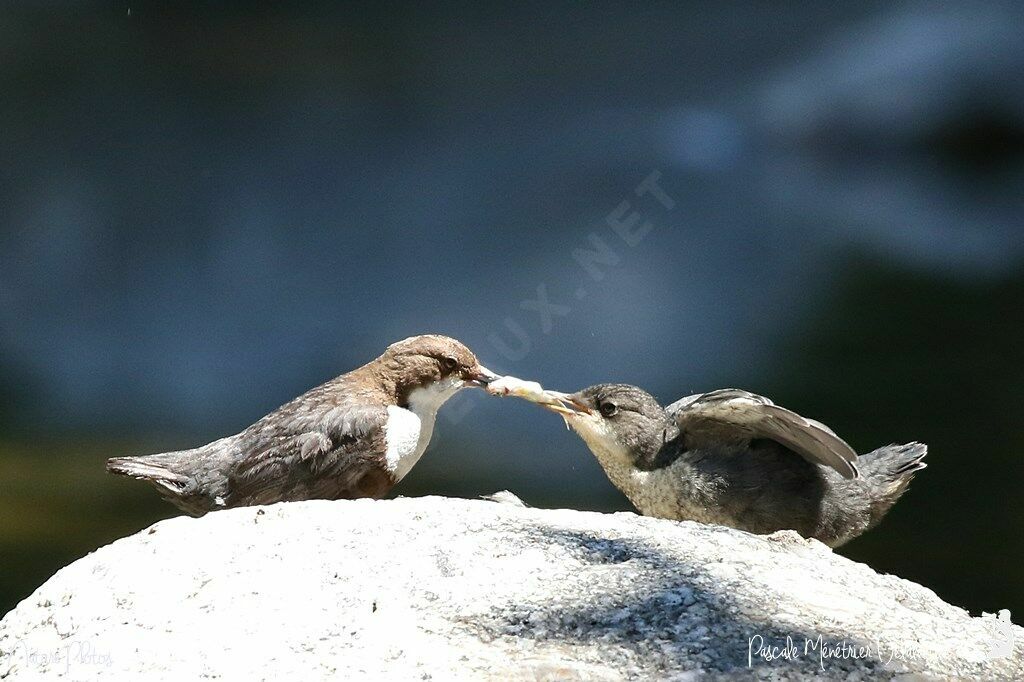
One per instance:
[(889, 470), (162, 470)]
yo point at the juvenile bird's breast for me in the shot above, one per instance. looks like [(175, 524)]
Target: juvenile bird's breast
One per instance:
[(653, 493), (671, 492), (662, 493)]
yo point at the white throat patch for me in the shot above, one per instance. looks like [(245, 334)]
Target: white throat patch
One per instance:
[(409, 430)]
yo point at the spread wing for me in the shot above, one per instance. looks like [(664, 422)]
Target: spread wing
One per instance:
[(299, 455), (730, 415)]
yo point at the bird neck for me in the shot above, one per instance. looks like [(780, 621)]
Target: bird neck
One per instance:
[(398, 378), (411, 426), (658, 447), (425, 400), (617, 463), (672, 490), (651, 470)]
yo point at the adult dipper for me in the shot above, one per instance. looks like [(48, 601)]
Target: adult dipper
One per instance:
[(736, 459), (355, 436)]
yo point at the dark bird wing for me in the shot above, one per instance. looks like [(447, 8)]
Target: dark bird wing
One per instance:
[(334, 454), (731, 415)]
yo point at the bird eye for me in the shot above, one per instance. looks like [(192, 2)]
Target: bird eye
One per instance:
[(608, 409), (450, 363)]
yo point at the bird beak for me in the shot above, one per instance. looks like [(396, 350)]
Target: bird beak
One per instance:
[(479, 377), (565, 404)]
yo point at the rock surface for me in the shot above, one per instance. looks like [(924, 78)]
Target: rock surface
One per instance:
[(435, 588)]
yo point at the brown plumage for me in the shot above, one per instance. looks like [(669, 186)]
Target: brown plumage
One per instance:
[(354, 436)]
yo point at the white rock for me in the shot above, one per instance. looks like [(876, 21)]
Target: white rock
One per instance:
[(442, 589)]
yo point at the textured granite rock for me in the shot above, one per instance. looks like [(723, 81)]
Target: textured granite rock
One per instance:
[(436, 588)]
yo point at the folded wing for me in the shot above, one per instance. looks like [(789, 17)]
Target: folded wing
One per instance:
[(341, 458)]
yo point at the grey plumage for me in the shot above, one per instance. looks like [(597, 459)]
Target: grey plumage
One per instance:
[(734, 415), (735, 458)]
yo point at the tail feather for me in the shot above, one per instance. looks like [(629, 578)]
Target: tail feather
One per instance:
[(893, 461), (158, 469), (889, 471), (911, 459)]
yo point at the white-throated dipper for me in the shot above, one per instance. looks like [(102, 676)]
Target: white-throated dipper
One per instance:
[(355, 436), (736, 459)]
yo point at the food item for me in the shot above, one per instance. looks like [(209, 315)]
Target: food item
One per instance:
[(556, 401), (528, 390)]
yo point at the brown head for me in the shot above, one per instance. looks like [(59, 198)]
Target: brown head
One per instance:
[(434, 362)]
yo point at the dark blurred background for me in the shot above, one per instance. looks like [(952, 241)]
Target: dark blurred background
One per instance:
[(206, 209)]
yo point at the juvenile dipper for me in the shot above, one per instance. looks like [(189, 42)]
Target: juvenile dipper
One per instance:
[(355, 436), (736, 459)]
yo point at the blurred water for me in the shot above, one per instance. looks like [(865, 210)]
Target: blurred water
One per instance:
[(206, 210)]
